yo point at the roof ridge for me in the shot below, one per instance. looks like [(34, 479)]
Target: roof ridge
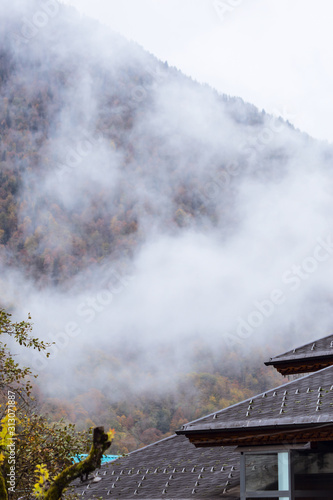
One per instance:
[(300, 347), (152, 444)]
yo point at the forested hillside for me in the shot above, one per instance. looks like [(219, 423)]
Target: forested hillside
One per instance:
[(140, 419), (93, 156), (142, 218)]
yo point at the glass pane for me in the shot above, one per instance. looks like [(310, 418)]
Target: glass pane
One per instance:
[(261, 472), (313, 471), (283, 466)]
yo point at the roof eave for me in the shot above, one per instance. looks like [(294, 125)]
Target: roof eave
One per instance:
[(269, 435), (301, 365)]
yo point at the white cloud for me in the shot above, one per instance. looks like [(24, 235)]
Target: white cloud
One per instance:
[(273, 54)]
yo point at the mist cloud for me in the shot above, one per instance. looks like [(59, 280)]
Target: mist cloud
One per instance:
[(247, 263)]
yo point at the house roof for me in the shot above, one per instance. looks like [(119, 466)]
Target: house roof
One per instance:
[(171, 468), (308, 358), (297, 412), (301, 411)]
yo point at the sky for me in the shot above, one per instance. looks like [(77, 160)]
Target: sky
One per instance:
[(275, 54)]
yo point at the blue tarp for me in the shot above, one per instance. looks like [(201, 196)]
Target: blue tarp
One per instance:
[(105, 458)]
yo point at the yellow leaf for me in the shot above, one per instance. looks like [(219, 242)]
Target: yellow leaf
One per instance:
[(111, 434), (38, 490)]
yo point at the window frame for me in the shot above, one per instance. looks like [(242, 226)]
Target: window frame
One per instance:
[(280, 494), (291, 493)]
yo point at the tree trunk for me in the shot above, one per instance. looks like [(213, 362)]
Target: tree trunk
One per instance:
[(100, 444)]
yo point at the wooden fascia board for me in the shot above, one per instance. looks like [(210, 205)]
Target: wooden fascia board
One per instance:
[(270, 435), (304, 365)]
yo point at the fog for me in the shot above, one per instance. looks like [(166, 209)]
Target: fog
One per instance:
[(249, 267)]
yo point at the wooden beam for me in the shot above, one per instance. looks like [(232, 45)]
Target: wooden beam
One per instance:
[(261, 438), (294, 366)]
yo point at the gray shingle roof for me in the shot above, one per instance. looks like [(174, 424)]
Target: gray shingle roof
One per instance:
[(302, 402), (175, 468), (309, 357), (171, 468)]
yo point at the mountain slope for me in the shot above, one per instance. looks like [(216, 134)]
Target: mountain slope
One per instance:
[(164, 236), (101, 143)]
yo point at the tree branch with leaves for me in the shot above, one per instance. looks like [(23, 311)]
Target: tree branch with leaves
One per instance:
[(44, 450), (46, 490)]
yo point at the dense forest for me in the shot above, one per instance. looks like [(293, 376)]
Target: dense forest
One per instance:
[(104, 150), (48, 140)]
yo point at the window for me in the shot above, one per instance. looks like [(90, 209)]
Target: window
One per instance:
[(313, 474), (263, 473), (286, 475)]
